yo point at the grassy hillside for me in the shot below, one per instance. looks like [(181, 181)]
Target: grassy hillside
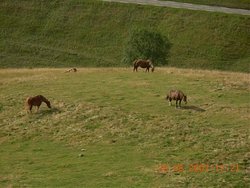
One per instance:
[(98, 136), (93, 34), (243, 4)]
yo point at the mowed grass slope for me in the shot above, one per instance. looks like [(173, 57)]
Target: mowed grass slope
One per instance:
[(243, 4), (94, 34), (122, 125)]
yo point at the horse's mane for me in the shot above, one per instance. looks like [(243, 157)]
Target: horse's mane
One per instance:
[(44, 99)]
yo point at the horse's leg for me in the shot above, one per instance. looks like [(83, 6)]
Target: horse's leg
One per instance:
[(179, 103), (30, 108), (176, 104), (37, 108), (170, 102), (135, 68)]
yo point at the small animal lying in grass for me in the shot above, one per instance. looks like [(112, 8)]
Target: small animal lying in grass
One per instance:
[(178, 96), (71, 70), (36, 101)]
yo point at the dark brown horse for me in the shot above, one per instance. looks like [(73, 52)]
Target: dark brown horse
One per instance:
[(36, 101), (178, 96), (146, 64)]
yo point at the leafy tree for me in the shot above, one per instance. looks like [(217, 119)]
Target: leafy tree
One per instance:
[(144, 44)]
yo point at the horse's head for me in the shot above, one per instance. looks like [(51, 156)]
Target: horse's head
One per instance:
[(167, 97), (152, 69), (48, 104), (151, 65), (42, 98), (185, 99)]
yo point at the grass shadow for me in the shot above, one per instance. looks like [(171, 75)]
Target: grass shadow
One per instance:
[(47, 112), (195, 108), (52, 110)]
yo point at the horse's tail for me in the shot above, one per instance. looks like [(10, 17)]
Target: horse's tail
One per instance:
[(26, 103)]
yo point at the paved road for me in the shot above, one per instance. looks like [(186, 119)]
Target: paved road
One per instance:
[(185, 6)]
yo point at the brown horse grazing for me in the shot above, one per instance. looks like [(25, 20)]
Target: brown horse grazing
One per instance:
[(36, 101), (71, 70), (178, 96), (143, 64)]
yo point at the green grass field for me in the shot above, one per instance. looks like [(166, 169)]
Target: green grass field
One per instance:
[(243, 4), (90, 33), (110, 127)]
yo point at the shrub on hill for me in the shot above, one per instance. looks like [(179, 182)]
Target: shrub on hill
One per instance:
[(144, 44)]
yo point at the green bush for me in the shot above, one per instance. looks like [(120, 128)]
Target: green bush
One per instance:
[(143, 44)]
